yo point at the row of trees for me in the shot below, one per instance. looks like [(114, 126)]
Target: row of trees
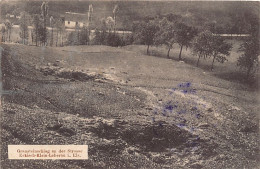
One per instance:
[(167, 33), (39, 33), (204, 44)]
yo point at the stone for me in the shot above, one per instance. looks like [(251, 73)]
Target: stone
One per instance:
[(203, 125)]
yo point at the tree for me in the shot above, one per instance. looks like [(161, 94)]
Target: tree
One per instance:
[(8, 29), (249, 59), (146, 33), (60, 27), (115, 11), (202, 45), (219, 50), (77, 30), (44, 10), (165, 35), (36, 27), (52, 25), (101, 34), (97, 37), (84, 36), (110, 23), (90, 15), (24, 22), (3, 31), (184, 36), (253, 23)]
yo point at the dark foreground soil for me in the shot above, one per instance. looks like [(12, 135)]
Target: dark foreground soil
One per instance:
[(134, 111)]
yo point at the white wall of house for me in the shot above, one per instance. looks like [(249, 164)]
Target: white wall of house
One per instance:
[(72, 24)]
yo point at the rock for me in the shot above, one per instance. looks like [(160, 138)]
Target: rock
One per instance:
[(55, 126), (234, 108), (203, 125), (55, 64), (110, 122), (149, 108), (131, 150), (159, 159), (48, 64), (210, 109), (67, 131), (100, 93), (99, 80)]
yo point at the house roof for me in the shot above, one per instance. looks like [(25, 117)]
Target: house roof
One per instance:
[(69, 16)]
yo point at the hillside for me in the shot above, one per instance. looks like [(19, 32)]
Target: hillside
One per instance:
[(133, 110), (222, 12)]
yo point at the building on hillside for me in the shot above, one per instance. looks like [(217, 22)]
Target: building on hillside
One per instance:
[(75, 19)]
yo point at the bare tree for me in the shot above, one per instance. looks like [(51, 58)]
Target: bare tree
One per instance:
[(36, 27), (52, 25), (60, 27), (44, 10), (24, 22), (115, 11), (90, 15), (8, 29), (3, 31)]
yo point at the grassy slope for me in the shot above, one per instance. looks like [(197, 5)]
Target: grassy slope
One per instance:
[(138, 85)]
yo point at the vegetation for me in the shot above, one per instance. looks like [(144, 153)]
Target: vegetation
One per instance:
[(249, 60), (146, 32), (36, 28), (44, 10), (219, 50), (202, 45), (24, 22), (8, 30), (184, 36), (165, 35)]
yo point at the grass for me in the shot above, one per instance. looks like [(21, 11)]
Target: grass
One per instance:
[(227, 71), (107, 110)]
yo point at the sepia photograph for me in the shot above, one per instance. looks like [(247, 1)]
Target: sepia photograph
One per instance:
[(127, 84)]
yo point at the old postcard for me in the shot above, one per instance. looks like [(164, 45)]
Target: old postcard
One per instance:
[(129, 84)]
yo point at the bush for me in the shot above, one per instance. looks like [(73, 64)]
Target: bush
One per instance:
[(249, 61), (114, 40), (78, 37), (111, 39)]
